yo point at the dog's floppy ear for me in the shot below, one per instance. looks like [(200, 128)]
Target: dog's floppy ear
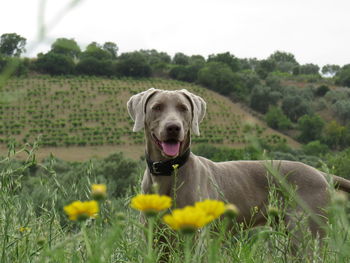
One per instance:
[(199, 107), (136, 108)]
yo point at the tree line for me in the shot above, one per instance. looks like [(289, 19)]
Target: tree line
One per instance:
[(222, 72), (258, 83)]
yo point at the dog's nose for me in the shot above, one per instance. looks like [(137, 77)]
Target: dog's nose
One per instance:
[(173, 130)]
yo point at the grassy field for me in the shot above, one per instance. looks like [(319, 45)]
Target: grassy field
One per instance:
[(34, 227), (81, 117)]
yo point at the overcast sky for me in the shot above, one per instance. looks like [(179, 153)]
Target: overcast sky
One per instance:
[(315, 31)]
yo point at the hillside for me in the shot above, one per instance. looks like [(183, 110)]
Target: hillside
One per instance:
[(81, 117)]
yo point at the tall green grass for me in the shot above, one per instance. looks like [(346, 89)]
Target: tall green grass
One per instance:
[(34, 228)]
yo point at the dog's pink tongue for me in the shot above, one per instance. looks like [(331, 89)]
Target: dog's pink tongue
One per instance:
[(171, 149)]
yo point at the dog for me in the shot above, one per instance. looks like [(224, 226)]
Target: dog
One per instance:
[(168, 119)]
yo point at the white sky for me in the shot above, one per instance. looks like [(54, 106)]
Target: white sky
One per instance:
[(315, 31)]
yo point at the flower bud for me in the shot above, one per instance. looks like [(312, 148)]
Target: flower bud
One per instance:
[(231, 211), (98, 191)]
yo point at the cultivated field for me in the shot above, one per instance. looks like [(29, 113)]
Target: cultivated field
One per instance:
[(81, 117)]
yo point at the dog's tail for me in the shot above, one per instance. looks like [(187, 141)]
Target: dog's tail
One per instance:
[(338, 182), (341, 183)]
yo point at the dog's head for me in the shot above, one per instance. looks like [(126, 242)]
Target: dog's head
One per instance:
[(168, 117)]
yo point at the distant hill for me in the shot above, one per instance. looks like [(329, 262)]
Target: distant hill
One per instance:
[(81, 117)]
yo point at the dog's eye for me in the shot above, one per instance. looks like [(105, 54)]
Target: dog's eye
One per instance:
[(182, 108), (157, 107)]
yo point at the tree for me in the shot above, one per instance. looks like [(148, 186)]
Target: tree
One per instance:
[(330, 70), (226, 58), (133, 64), (197, 60), (336, 136), (284, 61), (342, 110), (343, 76), (265, 67), (93, 66), (295, 106), (181, 59), (310, 127), (315, 148), (112, 48), (218, 77), (309, 69), (54, 64), (321, 90), (262, 97), (185, 73), (67, 47), (95, 50), (276, 119), (12, 44)]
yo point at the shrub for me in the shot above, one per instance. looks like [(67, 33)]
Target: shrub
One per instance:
[(342, 110), (94, 66), (55, 64), (310, 127), (339, 163), (321, 90), (276, 119), (295, 107), (262, 97), (133, 64), (315, 148), (218, 77)]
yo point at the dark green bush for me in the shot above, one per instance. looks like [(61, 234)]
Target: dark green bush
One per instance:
[(276, 119)]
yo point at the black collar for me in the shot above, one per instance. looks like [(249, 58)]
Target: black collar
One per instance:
[(165, 168)]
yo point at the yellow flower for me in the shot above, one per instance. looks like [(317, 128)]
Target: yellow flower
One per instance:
[(23, 229), (150, 203), (213, 208), (82, 210), (187, 219), (98, 191)]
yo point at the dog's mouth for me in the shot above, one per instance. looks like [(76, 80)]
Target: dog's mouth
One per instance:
[(169, 147)]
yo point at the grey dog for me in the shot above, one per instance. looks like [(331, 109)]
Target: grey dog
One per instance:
[(168, 119)]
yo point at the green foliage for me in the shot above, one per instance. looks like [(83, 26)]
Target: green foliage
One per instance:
[(90, 65), (309, 69), (226, 58), (283, 61), (274, 82), (342, 110), (276, 119), (322, 90), (336, 136), (310, 127), (343, 76), (12, 44), (221, 154), (218, 77), (61, 182), (265, 67), (248, 80), (315, 148), (339, 163), (181, 59), (55, 64), (262, 97), (68, 47), (295, 106), (187, 73), (133, 64), (97, 51), (112, 48), (330, 69)]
